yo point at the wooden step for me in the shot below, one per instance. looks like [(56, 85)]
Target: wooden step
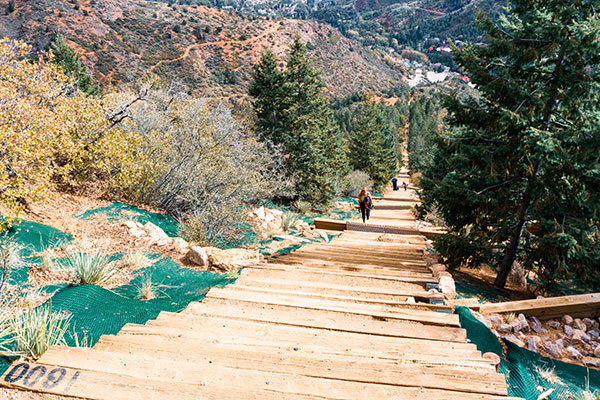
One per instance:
[(321, 319), (213, 361), (338, 276), (380, 311), (375, 292)]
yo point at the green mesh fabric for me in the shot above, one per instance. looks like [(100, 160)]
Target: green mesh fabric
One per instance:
[(96, 311), (520, 366), (36, 237), (468, 289), (121, 211)]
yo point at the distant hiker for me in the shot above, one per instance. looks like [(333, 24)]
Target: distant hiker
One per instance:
[(395, 183), (404, 185), (365, 203)]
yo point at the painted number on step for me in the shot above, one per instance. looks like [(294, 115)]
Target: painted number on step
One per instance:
[(41, 376)]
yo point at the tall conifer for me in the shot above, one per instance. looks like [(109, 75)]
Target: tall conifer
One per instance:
[(66, 57), (517, 178), (371, 148)]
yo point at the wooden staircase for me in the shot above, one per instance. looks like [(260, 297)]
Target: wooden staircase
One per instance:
[(328, 321)]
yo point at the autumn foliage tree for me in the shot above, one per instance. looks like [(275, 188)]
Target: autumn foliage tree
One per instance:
[(50, 132)]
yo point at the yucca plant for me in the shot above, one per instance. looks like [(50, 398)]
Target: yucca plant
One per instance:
[(89, 268), (288, 220), (303, 207), (510, 317), (32, 333)]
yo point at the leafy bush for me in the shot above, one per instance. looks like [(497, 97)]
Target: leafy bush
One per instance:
[(32, 333), (354, 182), (89, 268), (197, 162)]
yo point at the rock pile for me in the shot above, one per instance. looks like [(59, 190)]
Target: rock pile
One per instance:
[(269, 221), (222, 261), (570, 339), (155, 236)]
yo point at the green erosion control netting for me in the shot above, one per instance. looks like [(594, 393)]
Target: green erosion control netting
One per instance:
[(121, 211), (96, 311), (521, 367), (33, 237), (485, 293)]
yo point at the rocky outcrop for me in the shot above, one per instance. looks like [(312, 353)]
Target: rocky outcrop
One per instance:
[(222, 261)]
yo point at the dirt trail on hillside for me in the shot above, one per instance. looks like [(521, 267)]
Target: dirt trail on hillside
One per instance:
[(191, 47)]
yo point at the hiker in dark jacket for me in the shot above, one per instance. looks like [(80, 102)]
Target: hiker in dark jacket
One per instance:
[(365, 203)]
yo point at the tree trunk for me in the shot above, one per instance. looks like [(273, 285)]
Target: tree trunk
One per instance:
[(515, 235)]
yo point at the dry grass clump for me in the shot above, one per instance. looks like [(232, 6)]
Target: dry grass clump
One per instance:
[(137, 259), (548, 375)]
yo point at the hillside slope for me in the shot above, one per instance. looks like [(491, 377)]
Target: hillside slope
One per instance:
[(209, 51)]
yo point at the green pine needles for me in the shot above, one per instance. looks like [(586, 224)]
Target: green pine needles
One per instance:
[(517, 175), (66, 57), (293, 112)]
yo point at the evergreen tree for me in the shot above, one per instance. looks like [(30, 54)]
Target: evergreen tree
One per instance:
[(269, 101), (517, 177), (314, 143), (66, 57), (292, 111), (371, 147)]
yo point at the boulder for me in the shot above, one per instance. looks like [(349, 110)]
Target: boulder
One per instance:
[(536, 325), (448, 287), (592, 361), (493, 321), (524, 322), (276, 212), (513, 338), (554, 324), (568, 330), (578, 324), (504, 328), (532, 344), (594, 334), (580, 336), (260, 213), (156, 236), (231, 260), (567, 320), (589, 323), (517, 325), (179, 245), (553, 350), (197, 255), (597, 351), (561, 344), (574, 353)]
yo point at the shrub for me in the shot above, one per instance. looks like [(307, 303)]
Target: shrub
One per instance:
[(354, 182), (198, 163), (303, 207), (89, 268), (32, 333)]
